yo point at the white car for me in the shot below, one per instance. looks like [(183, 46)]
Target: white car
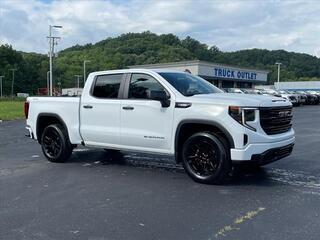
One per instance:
[(234, 90), (293, 98), (164, 112)]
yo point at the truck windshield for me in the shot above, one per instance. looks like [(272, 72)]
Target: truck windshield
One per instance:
[(189, 85)]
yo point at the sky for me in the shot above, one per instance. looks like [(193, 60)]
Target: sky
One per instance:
[(230, 25)]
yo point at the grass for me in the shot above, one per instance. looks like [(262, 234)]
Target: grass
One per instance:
[(11, 109)]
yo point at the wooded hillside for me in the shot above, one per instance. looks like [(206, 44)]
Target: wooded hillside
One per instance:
[(144, 48)]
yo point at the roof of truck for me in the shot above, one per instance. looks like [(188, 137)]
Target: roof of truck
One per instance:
[(136, 70)]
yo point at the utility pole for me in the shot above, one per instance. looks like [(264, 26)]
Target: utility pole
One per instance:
[(278, 63), (78, 79), (48, 83), (13, 70), (1, 77), (84, 70), (52, 42), (59, 86)]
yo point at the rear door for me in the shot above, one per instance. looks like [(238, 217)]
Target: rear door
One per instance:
[(145, 124), (100, 111)]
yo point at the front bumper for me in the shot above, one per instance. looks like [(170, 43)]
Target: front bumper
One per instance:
[(263, 152), (272, 155)]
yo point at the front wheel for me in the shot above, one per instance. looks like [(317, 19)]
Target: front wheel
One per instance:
[(205, 158), (55, 143)]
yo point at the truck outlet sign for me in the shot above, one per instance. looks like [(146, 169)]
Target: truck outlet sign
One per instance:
[(234, 74)]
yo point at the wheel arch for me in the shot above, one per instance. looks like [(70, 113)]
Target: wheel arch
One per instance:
[(187, 127), (46, 119)]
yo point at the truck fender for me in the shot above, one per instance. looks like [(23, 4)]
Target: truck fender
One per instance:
[(53, 115), (197, 121)]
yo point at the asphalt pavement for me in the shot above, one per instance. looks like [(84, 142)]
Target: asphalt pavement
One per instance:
[(150, 197)]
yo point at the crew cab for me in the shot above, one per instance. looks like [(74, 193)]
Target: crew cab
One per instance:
[(164, 112)]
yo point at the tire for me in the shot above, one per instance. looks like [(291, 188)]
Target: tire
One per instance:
[(55, 143), (205, 158)]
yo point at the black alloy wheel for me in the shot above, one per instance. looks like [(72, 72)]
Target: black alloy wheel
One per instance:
[(52, 143), (55, 143), (205, 158)]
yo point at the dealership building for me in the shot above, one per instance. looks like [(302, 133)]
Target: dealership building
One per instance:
[(222, 76)]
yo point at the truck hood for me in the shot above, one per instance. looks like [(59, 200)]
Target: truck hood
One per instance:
[(243, 100)]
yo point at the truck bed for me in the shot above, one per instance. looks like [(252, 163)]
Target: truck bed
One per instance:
[(66, 108)]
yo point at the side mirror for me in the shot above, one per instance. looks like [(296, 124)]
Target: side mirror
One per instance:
[(161, 96)]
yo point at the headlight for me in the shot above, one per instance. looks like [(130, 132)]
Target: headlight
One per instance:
[(243, 115)]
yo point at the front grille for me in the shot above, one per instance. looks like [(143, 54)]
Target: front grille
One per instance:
[(275, 120), (292, 98)]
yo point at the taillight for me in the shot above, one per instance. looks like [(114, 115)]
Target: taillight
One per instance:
[(26, 109)]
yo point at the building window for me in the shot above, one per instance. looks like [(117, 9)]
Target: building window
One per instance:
[(227, 84), (244, 85)]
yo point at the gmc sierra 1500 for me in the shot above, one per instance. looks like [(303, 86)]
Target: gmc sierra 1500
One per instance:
[(164, 112)]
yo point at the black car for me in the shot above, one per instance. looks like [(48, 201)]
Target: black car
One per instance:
[(311, 99)]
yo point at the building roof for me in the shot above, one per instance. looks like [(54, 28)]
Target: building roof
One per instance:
[(194, 63)]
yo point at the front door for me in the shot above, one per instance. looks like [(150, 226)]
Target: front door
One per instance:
[(145, 124)]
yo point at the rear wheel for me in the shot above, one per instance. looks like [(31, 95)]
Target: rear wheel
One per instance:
[(205, 158), (55, 143)]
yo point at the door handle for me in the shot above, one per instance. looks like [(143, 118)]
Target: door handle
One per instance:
[(87, 106), (127, 108)]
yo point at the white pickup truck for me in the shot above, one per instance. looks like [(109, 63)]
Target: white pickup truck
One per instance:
[(164, 112)]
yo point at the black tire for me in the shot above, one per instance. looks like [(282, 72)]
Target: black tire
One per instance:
[(205, 158), (55, 143)]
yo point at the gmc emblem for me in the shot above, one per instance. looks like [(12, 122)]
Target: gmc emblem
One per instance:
[(284, 114)]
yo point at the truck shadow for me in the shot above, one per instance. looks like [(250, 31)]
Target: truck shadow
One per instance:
[(238, 176)]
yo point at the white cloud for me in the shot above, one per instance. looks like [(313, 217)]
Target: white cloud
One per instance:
[(230, 24)]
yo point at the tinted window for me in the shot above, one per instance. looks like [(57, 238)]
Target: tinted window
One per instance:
[(141, 85), (188, 84), (107, 86)]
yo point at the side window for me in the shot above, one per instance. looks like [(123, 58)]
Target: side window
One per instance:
[(107, 86), (141, 85)]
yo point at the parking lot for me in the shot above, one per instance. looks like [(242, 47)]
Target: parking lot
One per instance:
[(149, 197)]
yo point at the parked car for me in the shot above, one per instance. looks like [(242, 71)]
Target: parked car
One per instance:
[(234, 90), (311, 99), (315, 93), (164, 112), (251, 91), (293, 98), (301, 97), (271, 92)]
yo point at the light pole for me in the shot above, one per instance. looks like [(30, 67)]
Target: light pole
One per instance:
[(48, 83), (78, 79), (52, 42), (84, 70), (13, 70), (278, 63), (1, 77)]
